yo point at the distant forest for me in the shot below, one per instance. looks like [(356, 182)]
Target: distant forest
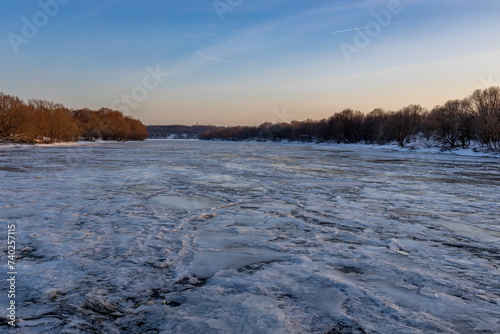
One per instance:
[(178, 131), (455, 124), (40, 121)]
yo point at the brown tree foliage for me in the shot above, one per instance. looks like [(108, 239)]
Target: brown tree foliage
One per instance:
[(45, 121), (453, 123), (406, 123), (486, 105), (456, 123)]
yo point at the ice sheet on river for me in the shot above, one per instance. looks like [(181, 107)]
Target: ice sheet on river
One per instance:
[(204, 237)]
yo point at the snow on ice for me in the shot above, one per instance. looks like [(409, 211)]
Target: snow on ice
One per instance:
[(185, 236)]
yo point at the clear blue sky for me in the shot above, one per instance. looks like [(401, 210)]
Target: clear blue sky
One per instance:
[(249, 61)]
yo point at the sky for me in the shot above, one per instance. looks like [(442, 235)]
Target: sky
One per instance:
[(245, 62)]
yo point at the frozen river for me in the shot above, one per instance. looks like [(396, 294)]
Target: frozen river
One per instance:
[(224, 237)]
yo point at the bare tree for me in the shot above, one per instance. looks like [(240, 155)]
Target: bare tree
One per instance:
[(486, 104), (374, 126), (406, 122), (346, 126), (45, 121)]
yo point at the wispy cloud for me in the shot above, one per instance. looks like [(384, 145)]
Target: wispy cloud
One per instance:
[(369, 26), (352, 29)]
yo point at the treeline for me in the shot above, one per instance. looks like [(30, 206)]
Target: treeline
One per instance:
[(42, 121), (178, 131), (455, 124)]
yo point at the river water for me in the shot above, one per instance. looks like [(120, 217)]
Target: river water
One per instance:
[(184, 236)]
